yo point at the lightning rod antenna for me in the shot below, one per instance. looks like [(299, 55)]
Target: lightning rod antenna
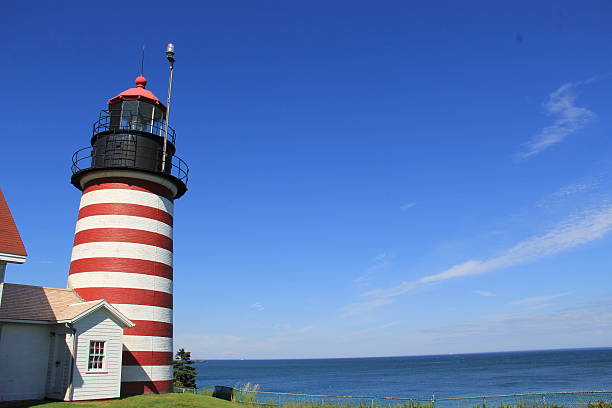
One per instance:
[(142, 55), (170, 57)]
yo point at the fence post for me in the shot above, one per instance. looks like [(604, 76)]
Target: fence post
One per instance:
[(278, 398), (433, 400), (372, 402)]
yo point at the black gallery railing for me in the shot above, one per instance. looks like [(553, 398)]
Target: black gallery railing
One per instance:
[(116, 123), (127, 157)]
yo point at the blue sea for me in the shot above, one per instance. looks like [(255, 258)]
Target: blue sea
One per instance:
[(421, 376)]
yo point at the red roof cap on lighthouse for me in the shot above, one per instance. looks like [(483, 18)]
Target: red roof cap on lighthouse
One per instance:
[(139, 93)]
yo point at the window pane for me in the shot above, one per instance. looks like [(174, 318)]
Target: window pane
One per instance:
[(96, 355), (145, 112)]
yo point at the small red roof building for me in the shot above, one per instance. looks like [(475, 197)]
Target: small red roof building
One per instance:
[(11, 246)]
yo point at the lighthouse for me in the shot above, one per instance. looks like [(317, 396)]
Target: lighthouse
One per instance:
[(130, 177)]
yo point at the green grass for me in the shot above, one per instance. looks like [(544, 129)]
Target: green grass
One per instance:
[(205, 401), (145, 401)]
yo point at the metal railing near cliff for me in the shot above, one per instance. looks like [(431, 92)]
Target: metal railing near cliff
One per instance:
[(586, 399)]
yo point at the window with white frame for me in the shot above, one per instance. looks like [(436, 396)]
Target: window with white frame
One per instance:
[(96, 355)]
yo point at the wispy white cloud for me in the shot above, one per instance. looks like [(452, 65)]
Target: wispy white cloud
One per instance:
[(304, 329), (575, 188), (407, 206), (287, 329), (366, 306), (257, 306), (484, 293), (379, 262), (231, 338), (577, 230), (377, 329), (569, 119), (584, 189), (536, 300), (595, 315)]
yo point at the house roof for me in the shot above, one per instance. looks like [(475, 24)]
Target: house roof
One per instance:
[(11, 246), (50, 305)]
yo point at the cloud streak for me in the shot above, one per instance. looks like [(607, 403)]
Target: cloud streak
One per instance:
[(577, 230), (569, 119), (536, 300), (596, 315), (257, 306), (484, 293), (379, 262)]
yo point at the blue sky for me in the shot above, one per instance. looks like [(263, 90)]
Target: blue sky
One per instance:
[(367, 178)]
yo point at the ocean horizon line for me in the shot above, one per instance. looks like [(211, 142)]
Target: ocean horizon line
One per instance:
[(408, 355)]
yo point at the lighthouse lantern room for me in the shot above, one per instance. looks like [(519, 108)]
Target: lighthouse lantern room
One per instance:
[(129, 177)]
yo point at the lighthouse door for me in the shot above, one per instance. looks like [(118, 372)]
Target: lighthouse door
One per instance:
[(58, 366)]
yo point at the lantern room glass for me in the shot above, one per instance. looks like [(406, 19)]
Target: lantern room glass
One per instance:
[(137, 115)]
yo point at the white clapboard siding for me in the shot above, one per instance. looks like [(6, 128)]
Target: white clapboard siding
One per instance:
[(23, 361), (107, 383)]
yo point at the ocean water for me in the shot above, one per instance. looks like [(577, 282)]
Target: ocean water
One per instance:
[(421, 376)]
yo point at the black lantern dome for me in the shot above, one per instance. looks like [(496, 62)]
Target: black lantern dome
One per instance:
[(133, 134)]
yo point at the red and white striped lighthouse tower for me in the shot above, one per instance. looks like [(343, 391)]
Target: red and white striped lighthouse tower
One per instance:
[(122, 249)]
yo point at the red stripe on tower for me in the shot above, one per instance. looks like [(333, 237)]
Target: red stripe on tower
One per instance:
[(130, 184), (125, 209), (146, 358), (124, 265), (146, 387), (123, 235), (126, 296), (149, 328)]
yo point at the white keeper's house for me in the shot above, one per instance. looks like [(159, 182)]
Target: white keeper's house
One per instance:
[(53, 344)]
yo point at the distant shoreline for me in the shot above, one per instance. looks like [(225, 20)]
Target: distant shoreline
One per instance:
[(405, 356)]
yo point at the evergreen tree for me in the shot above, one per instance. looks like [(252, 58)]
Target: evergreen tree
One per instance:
[(184, 371)]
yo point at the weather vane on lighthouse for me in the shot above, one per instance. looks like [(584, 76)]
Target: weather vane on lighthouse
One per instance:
[(130, 177)]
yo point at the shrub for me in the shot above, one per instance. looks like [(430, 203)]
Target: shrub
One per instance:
[(600, 404)]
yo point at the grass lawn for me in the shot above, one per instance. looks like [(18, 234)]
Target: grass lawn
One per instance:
[(142, 401), (204, 401)]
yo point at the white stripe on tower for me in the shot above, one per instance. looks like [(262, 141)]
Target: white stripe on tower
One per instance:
[(120, 280), (144, 312), (147, 373), (128, 250), (123, 253), (147, 343), (123, 221), (114, 196)]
